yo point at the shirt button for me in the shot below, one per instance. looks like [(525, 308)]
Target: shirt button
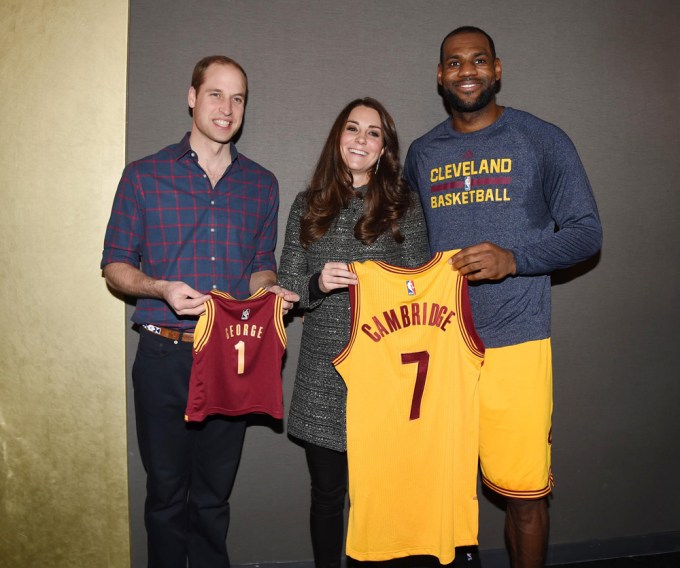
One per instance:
[(212, 203), (205, 176), (212, 229), (212, 258), (214, 286)]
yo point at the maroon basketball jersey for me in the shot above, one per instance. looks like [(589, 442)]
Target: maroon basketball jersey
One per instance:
[(238, 347)]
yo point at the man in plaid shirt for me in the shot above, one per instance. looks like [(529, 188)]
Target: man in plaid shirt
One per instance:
[(195, 216)]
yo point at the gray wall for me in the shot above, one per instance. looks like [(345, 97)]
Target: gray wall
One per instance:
[(607, 73)]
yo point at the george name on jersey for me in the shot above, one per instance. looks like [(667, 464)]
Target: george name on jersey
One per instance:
[(244, 330), (416, 313)]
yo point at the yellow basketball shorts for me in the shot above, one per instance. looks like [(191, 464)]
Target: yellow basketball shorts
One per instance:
[(515, 391)]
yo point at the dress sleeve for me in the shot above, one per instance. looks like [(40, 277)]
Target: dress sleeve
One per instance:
[(410, 173), (416, 249), (294, 272)]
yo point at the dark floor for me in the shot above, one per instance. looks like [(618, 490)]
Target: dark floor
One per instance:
[(463, 560), (669, 560), (665, 560)]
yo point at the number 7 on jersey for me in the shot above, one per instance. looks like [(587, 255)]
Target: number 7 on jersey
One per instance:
[(423, 360)]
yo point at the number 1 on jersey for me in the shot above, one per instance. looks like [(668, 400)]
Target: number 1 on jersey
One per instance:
[(423, 360), (241, 349)]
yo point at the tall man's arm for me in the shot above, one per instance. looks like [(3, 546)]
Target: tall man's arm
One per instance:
[(122, 249), (267, 279), (262, 279), (263, 276), (570, 201), (182, 298)]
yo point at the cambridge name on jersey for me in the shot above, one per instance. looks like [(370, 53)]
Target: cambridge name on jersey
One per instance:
[(411, 368), (238, 347)]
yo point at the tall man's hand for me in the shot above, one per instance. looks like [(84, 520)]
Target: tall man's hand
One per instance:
[(182, 298), (289, 298), (484, 261), (267, 279)]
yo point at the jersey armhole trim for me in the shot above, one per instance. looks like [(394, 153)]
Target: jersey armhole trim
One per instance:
[(278, 321), (466, 323), (355, 310), (204, 326)]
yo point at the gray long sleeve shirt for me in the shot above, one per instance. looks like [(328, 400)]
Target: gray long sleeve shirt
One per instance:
[(512, 183)]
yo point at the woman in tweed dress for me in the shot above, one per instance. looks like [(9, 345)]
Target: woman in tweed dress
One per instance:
[(357, 207)]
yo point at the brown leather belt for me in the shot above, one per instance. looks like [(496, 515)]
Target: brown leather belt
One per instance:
[(173, 334)]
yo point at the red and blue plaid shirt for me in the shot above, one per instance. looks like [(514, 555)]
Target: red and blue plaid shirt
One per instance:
[(168, 220)]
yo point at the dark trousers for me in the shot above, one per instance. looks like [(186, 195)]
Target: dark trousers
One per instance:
[(328, 472), (190, 467)]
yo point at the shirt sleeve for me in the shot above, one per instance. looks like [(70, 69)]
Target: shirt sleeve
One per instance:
[(266, 244), (570, 200), (124, 232)]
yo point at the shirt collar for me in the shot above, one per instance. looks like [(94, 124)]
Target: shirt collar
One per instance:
[(184, 148)]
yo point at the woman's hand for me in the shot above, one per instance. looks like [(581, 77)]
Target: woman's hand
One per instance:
[(334, 276)]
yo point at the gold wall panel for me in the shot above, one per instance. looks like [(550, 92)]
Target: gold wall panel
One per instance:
[(63, 463)]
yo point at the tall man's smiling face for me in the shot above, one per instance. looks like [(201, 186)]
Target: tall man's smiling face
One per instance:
[(219, 104), (468, 72)]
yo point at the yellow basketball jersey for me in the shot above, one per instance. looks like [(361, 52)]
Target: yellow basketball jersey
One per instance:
[(411, 368)]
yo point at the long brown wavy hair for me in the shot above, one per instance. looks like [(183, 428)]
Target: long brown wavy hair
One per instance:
[(387, 197)]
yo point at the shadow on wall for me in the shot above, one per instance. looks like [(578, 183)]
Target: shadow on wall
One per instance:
[(566, 275)]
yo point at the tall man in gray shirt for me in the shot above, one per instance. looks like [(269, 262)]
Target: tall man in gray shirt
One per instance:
[(497, 182)]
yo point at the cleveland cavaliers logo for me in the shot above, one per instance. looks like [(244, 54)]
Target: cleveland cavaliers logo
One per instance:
[(411, 287), (245, 314)]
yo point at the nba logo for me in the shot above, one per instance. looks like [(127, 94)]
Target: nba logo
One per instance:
[(411, 287), (468, 183), (245, 314)]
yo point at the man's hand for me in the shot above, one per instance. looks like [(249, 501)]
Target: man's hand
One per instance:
[(182, 298), (334, 276), (484, 261), (289, 298), (267, 279)]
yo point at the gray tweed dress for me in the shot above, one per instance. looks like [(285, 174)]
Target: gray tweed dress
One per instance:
[(317, 410)]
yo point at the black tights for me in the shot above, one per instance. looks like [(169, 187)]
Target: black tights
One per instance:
[(328, 470)]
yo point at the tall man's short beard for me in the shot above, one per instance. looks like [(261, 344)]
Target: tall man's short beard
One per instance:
[(484, 98)]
